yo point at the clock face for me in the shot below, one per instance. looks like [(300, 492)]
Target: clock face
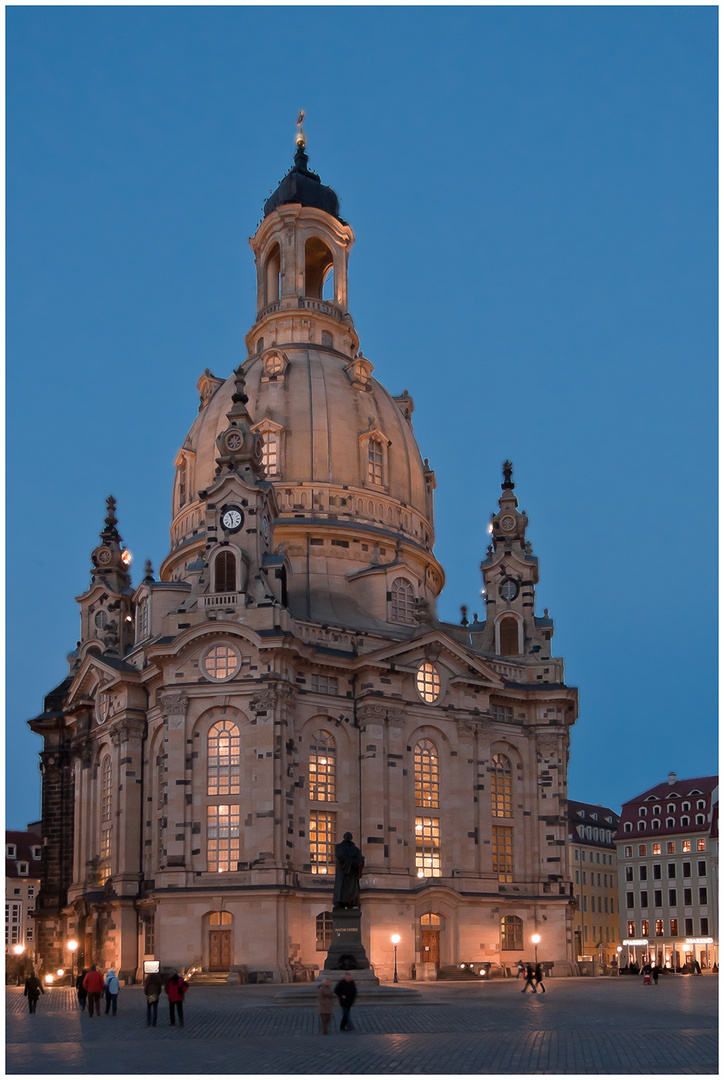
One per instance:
[(265, 526), (232, 519), (507, 522), (103, 557)]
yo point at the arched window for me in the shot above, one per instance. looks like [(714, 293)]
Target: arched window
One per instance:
[(511, 933), (318, 261), (222, 837), (427, 774), (375, 461), (685, 821), (106, 809), (223, 759), (627, 826), (699, 819), (501, 787), (642, 826), (273, 272), (509, 645), (324, 931), (225, 572), (402, 602), (322, 767), (656, 824), (670, 823), (183, 482), (328, 286), (429, 920)]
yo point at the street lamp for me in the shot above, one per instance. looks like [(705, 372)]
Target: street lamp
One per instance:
[(18, 950), (395, 941), (619, 950), (535, 939), (72, 947)]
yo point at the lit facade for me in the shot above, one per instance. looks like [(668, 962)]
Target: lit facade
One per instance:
[(285, 679), (22, 884), (592, 854), (668, 873)]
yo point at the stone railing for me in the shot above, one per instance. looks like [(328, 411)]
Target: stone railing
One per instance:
[(306, 303), (217, 600)]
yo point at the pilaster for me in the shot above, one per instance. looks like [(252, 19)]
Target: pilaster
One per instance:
[(176, 782)]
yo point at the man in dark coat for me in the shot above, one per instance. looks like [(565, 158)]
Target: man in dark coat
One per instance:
[(349, 865), (346, 991), (33, 989)]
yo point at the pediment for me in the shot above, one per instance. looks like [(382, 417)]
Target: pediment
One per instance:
[(438, 647), (95, 673)]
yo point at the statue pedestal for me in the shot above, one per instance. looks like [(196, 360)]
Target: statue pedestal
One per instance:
[(347, 953)]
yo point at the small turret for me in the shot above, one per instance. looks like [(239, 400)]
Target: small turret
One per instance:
[(106, 610), (240, 449)]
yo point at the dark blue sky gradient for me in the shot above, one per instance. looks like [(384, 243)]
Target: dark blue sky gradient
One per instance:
[(534, 195)]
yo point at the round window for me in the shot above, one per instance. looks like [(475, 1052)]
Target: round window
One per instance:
[(101, 618), (427, 682), (221, 662), (508, 589)]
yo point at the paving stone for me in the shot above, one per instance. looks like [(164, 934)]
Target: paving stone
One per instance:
[(608, 1026)]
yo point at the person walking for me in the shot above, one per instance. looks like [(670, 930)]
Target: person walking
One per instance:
[(80, 989), (539, 978), (346, 991), (93, 984), (33, 989), (176, 987), (111, 987), (521, 969), (529, 979), (325, 1004), (655, 973), (152, 987)]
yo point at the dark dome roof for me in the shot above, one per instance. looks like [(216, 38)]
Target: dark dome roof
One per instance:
[(301, 185)]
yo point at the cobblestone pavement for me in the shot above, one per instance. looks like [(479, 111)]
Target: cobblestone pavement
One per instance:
[(604, 1025)]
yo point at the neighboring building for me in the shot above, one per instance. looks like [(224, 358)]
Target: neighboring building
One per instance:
[(592, 854), (287, 679), (668, 872), (22, 884)]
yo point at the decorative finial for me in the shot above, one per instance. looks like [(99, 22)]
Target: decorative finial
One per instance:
[(463, 615), (301, 138), (507, 473), (111, 518), (148, 572)]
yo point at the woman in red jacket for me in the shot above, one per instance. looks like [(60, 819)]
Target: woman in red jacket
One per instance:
[(93, 984), (176, 987)]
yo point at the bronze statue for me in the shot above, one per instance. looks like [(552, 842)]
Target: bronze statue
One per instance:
[(349, 866)]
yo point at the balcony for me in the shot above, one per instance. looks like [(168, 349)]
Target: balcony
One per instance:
[(325, 307), (221, 600)]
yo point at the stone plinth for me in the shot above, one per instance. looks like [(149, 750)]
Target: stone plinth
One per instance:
[(347, 953)]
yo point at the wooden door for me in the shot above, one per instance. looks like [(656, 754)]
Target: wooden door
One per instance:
[(219, 950), (430, 946)]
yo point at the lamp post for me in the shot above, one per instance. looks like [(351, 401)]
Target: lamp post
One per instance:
[(72, 947), (395, 941), (619, 950), (535, 939)]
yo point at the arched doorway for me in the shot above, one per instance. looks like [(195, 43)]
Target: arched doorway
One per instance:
[(430, 939), (219, 941)]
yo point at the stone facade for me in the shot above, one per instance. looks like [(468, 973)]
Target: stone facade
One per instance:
[(592, 854), (287, 679)]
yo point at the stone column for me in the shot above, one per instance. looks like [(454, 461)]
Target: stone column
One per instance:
[(371, 719), (174, 706), (128, 817)]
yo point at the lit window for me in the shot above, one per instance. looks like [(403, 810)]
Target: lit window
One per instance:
[(631, 929), (644, 928), (701, 845), (402, 602), (427, 681), (503, 852), (221, 662), (322, 768), (627, 851), (657, 849), (324, 931), (674, 927), (427, 774), (220, 918), (427, 847), (13, 923), (223, 759), (273, 364), (642, 849), (322, 831), (222, 837), (225, 572), (375, 461), (511, 933), (105, 855), (501, 787), (686, 845), (670, 847)]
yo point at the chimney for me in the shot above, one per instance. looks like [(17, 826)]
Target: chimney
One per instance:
[(672, 779)]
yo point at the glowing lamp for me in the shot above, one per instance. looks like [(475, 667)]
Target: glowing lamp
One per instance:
[(72, 945), (18, 949), (49, 978), (395, 939), (61, 973)]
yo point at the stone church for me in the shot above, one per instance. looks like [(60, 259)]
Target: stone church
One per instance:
[(284, 678)]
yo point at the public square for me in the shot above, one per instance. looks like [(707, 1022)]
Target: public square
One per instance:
[(579, 1026)]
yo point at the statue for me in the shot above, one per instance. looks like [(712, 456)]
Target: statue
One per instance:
[(349, 865)]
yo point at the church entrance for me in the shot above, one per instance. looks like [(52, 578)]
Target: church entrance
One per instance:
[(219, 950), (219, 941), (430, 940)]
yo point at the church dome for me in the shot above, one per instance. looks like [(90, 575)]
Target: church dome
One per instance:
[(343, 447)]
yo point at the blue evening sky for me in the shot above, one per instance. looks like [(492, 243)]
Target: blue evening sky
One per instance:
[(534, 195)]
